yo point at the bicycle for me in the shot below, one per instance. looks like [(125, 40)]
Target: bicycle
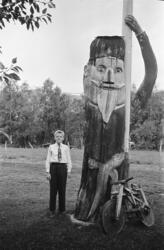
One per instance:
[(125, 203)]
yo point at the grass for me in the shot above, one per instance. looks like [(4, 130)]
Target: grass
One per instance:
[(24, 197)]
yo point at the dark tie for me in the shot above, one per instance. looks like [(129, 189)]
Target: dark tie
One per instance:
[(59, 153)]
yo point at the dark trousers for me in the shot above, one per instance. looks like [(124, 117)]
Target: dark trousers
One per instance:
[(58, 181)]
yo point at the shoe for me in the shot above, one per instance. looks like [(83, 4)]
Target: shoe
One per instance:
[(52, 214), (62, 212)]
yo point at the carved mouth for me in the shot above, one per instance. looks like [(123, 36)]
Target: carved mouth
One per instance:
[(108, 82), (107, 85), (111, 85)]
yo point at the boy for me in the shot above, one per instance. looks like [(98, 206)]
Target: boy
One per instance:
[(58, 163)]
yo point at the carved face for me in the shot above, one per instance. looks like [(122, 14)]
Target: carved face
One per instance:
[(104, 84), (108, 71)]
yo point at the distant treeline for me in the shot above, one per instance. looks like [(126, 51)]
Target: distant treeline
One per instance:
[(31, 116), (145, 127)]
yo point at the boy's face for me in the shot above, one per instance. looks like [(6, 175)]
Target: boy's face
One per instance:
[(59, 138)]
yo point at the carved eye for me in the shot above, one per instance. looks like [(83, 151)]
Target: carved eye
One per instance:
[(118, 70), (101, 69)]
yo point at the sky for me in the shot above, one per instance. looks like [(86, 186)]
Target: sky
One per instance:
[(60, 50)]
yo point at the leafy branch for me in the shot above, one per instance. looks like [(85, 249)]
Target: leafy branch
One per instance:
[(26, 12), (29, 13), (8, 74)]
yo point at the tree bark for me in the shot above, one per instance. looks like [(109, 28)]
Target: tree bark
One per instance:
[(104, 157)]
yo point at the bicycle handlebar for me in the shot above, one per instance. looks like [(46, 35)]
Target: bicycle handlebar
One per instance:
[(122, 181)]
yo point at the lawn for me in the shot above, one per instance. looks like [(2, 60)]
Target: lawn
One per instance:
[(24, 197)]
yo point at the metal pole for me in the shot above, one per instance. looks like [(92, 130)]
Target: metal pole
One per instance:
[(127, 34)]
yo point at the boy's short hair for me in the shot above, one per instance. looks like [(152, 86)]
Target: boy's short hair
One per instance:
[(59, 132)]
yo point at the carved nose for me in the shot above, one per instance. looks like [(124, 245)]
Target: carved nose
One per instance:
[(110, 76)]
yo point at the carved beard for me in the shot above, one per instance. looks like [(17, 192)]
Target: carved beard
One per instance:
[(108, 100)]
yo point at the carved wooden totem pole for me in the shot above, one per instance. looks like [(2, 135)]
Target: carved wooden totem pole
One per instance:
[(104, 89)]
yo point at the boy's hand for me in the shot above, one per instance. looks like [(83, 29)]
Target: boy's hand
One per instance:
[(48, 177), (133, 24)]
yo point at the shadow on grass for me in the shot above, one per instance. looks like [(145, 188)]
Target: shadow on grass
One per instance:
[(60, 233)]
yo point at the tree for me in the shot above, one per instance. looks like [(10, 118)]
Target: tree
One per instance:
[(50, 109), (31, 116), (74, 121), (28, 13), (105, 159), (17, 113), (8, 107), (145, 123)]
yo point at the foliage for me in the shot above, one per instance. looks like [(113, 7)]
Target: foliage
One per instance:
[(31, 116), (29, 13), (146, 136), (74, 121), (26, 12), (146, 123), (9, 73)]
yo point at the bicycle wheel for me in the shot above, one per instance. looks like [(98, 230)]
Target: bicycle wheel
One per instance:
[(147, 216), (110, 225)]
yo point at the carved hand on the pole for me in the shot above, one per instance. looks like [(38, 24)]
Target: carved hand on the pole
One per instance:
[(133, 24)]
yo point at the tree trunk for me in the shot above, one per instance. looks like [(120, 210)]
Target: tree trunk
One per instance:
[(88, 188), (104, 156)]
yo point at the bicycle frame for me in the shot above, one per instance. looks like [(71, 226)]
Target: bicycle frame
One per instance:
[(129, 194), (125, 201), (120, 196), (119, 201)]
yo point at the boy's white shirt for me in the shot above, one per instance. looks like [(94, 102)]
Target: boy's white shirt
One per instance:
[(52, 156)]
